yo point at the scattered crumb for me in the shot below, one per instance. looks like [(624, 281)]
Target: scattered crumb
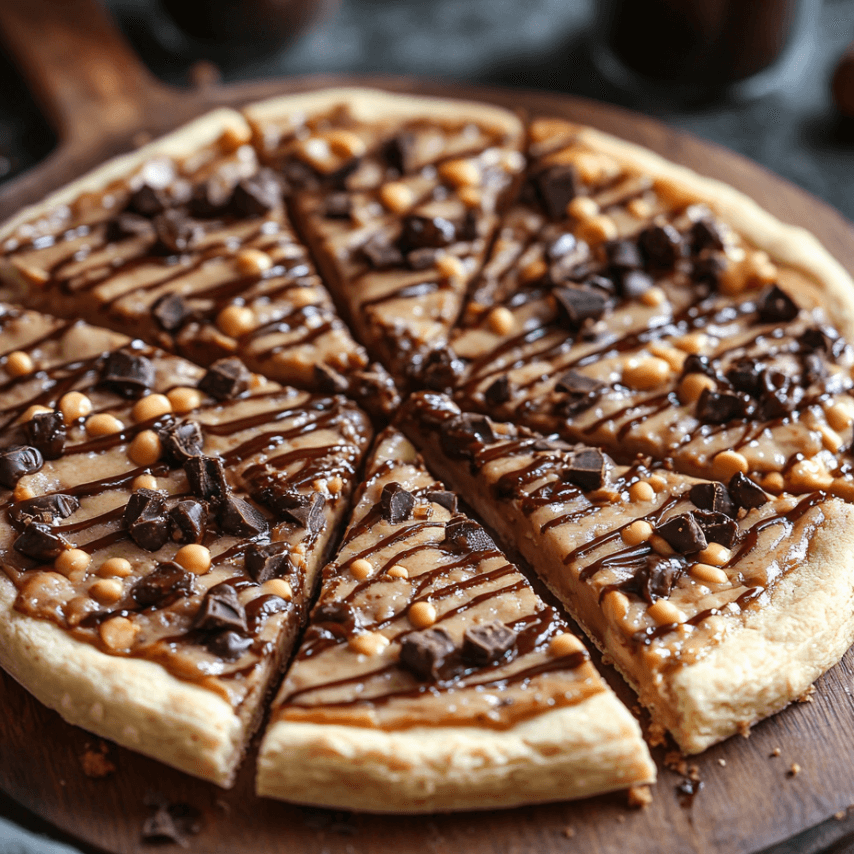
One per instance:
[(675, 761), (569, 832), (639, 797), (722, 763), (656, 735), (95, 762), (794, 769), (621, 818), (606, 659), (807, 696), (775, 752), (223, 806), (636, 710), (694, 772), (840, 815), (744, 728)]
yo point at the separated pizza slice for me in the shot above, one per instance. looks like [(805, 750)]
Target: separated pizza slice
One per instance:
[(719, 603), (398, 196), (161, 530), (187, 244), (432, 676), (631, 304)]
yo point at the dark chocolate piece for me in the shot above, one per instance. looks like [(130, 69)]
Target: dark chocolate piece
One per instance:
[(659, 576), (292, 506), (189, 520), (148, 201), (464, 533), (269, 560), (176, 233), (221, 610), (721, 407), (40, 543), (556, 187), (586, 469), (683, 534), (239, 518), (424, 653), (443, 498), (746, 375), (459, 434), (396, 503), (573, 382), (170, 822), (422, 259), (225, 379), (167, 583), (170, 312), (427, 232), (181, 440), (206, 477), (779, 395), (441, 369), (46, 432), (380, 252), (697, 364), (338, 206), (712, 496), (257, 195), (212, 197), (228, 645), (126, 225), (577, 305), (718, 527), (498, 391), (745, 493), (776, 306), (486, 643), (334, 612), (623, 255), (814, 369), (705, 234), (146, 521), (45, 509), (706, 271), (329, 381), (399, 152), (127, 374), (661, 246), (144, 504), (16, 462)]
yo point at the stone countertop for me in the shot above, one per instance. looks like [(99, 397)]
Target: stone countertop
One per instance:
[(540, 44)]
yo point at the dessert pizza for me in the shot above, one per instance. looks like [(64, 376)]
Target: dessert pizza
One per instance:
[(432, 677), (719, 603), (162, 530)]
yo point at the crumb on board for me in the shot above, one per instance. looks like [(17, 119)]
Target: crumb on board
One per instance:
[(794, 769), (744, 728), (568, 832), (656, 734), (775, 752), (639, 797), (95, 762), (840, 814), (722, 763), (807, 696), (675, 761)]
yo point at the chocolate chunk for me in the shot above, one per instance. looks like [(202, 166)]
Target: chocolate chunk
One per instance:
[(623, 255), (396, 503), (146, 521), (683, 534), (441, 369), (486, 643), (821, 339), (712, 496), (338, 206), (577, 305), (399, 152), (228, 645), (329, 381), (746, 375), (221, 610), (745, 493), (46, 432), (292, 506), (776, 306), (181, 440), (225, 379), (718, 527), (498, 391), (433, 232), (270, 560), (176, 233), (573, 382), (334, 612), (167, 583), (16, 462), (556, 187), (586, 469), (257, 195), (148, 201), (240, 518), (126, 374), (779, 395), (659, 576), (188, 520), (128, 225), (424, 653), (706, 271), (705, 234), (466, 534), (696, 364), (45, 509), (170, 312), (206, 477), (814, 369), (721, 407), (459, 434), (212, 197), (635, 283), (661, 246), (380, 252), (40, 543), (443, 498), (144, 504)]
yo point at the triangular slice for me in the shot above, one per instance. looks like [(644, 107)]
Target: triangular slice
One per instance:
[(160, 531), (718, 605), (186, 242), (398, 197), (617, 310), (432, 677)]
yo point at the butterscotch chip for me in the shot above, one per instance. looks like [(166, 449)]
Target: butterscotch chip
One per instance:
[(807, 475), (35, 409), (422, 615), (692, 386), (74, 405), (647, 373), (117, 567), (639, 208), (582, 207), (641, 491), (23, 491), (144, 481), (107, 591), (368, 643), (693, 342), (345, 143), (639, 531), (146, 448), (615, 605), (564, 644), (236, 320), (661, 546), (397, 196), (103, 424), (362, 569), (184, 400), (654, 297), (19, 364), (253, 262), (194, 558), (451, 267), (151, 406), (278, 587), (398, 571), (708, 574), (727, 463), (840, 415), (664, 612), (460, 173), (534, 271), (773, 482), (501, 320), (118, 633), (597, 229), (471, 197), (657, 482), (72, 561), (714, 554)]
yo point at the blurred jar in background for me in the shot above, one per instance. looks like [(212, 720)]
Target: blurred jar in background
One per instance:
[(696, 49)]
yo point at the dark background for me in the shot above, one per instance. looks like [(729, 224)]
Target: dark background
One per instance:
[(544, 44)]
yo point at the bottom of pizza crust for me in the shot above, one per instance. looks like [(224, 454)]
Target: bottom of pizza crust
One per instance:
[(433, 678)]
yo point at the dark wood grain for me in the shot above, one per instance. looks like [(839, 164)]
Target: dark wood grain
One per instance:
[(745, 805)]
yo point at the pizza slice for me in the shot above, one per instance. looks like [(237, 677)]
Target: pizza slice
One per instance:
[(432, 677), (161, 530), (718, 603), (398, 197), (187, 243), (630, 304)]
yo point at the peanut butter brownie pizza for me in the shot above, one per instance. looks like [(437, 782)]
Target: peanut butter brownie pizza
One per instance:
[(432, 677), (188, 243), (719, 603), (161, 530)]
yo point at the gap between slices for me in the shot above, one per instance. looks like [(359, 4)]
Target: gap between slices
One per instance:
[(385, 707), (163, 531)]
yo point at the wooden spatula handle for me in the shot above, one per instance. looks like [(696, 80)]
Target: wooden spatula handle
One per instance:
[(85, 75)]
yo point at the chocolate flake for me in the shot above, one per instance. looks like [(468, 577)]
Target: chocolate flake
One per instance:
[(212, 197), (181, 440), (257, 195), (40, 543), (578, 305), (659, 575), (556, 187), (338, 206), (188, 520), (486, 643), (718, 527), (167, 583), (746, 375), (459, 434), (712, 496), (176, 233), (745, 493), (720, 407), (466, 534), (225, 379), (575, 383), (443, 498), (683, 534), (498, 391), (45, 509), (776, 306), (424, 653), (206, 477), (148, 201), (265, 561), (292, 506), (46, 432), (441, 368), (170, 311), (16, 462), (399, 152), (432, 232), (239, 518), (228, 645), (661, 246), (396, 503), (705, 234), (586, 469), (623, 255), (328, 380), (221, 610), (127, 374), (697, 364)]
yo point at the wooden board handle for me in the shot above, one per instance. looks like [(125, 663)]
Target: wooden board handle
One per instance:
[(85, 75)]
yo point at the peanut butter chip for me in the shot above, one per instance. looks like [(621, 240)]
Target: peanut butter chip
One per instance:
[(151, 406), (19, 364), (103, 425), (184, 399), (422, 615), (361, 569), (253, 262), (115, 566), (714, 554), (74, 405), (278, 587), (35, 409), (728, 463), (107, 591), (145, 449), (369, 643), (144, 481), (451, 267), (501, 320), (646, 373), (664, 612), (708, 574), (397, 196), (398, 571), (194, 558), (72, 561), (582, 207), (638, 532), (460, 173), (118, 633), (236, 320), (641, 491)]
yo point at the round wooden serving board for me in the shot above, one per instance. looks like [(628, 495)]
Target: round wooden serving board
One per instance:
[(103, 102)]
